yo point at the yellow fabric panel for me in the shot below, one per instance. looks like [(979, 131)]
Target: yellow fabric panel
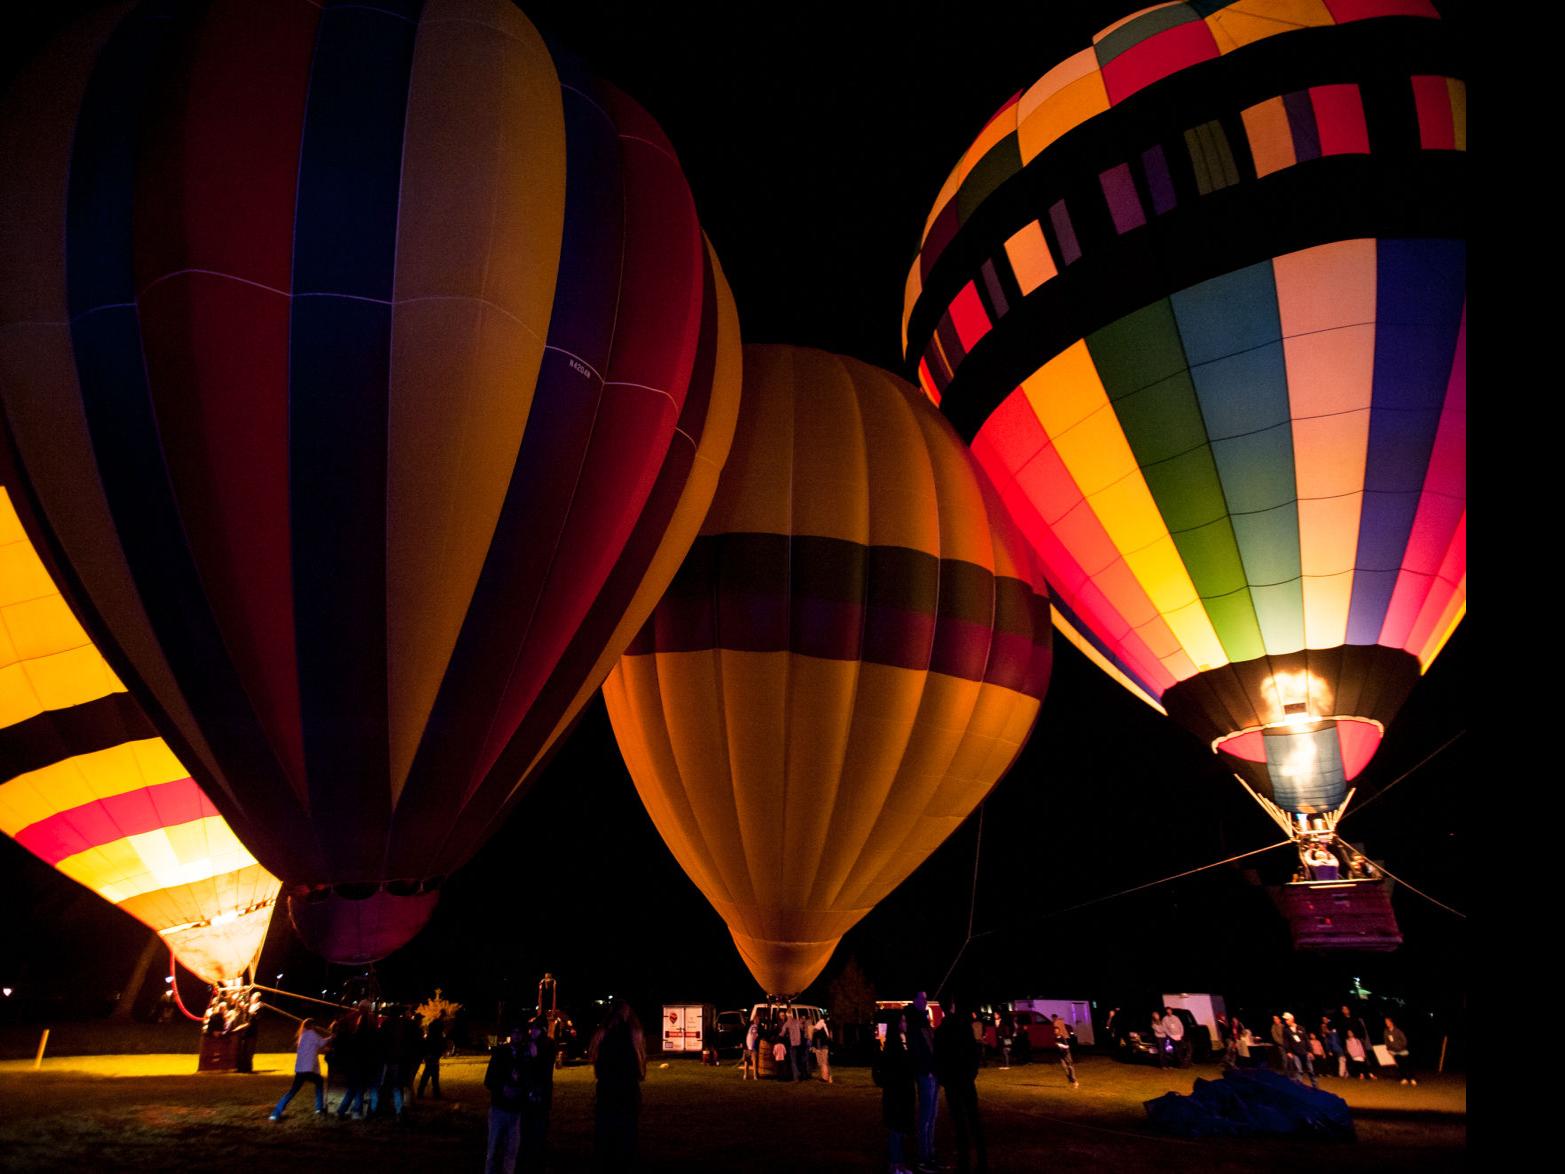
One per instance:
[(159, 859), (792, 966), (1326, 603), (1329, 454), (830, 484), (1454, 613), (1271, 139), (480, 221), (754, 685), (219, 952), (1458, 92), (761, 502), (1029, 255), (54, 682), (712, 449), (904, 478), (1061, 112), (1246, 21), (704, 838), (820, 702), (218, 895), (1328, 535), (1065, 391), (958, 527), (885, 721), (945, 709), (74, 782)]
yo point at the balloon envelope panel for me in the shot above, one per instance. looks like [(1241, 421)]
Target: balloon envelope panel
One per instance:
[(850, 657), (381, 365), (87, 786), (1198, 300)]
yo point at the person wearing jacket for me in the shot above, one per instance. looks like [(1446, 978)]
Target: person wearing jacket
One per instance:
[(1396, 1044), (921, 1054), (505, 1080), (957, 1058), (306, 1068), (893, 1074)]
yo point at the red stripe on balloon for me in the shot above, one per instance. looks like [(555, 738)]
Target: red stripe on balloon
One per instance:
[(104, 821), (214, 267)]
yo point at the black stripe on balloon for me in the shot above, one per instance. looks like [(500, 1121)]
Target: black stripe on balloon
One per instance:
[(555, 440), (345, 237), (840, 600), (1356, 680), (1397, 191), (58, 734), (134, 88)]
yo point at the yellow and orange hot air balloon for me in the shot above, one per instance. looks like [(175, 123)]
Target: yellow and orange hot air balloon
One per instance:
[(87, 786), (851, 656)]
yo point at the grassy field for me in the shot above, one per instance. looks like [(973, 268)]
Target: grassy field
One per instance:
[(151, 1112)]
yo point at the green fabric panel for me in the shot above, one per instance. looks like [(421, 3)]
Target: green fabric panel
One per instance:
[(1133, 32), (1163, 421), (1138, 350), (1233, 618), (1280, 610), (1197, 149), (1269, 544), (1003, 160), (1257, 471), (1187, 490), (1225, 173), (1211, 554)]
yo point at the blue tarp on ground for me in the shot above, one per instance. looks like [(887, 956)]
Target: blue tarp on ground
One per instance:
[(1251, 1104)]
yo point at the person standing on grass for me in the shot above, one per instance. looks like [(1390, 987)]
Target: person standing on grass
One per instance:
[(507, 1093), (921, 1054), (820, 1040), (348, 1052), (793, 1036), (750, 1065), (956, 1066), (618, 1053), (306, 1068), (1396, 1044), (538, 1096), (1174, 1029), (1062, 1044), (893, 1074), (434, 1050)]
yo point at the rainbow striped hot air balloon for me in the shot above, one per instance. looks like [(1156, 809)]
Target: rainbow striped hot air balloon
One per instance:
[(852, 655), (372, 375), (1198, 300), (87, 786)]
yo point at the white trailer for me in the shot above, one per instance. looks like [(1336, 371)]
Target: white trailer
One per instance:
[(689, 1027), (1077, 1014), (1205, 1009)]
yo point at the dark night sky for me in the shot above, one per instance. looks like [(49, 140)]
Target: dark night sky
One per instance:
[(815, 137)]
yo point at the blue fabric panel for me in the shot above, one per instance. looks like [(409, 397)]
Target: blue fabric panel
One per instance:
[(344, 263), (1306, 770), (1421, 289), (1243, 393), (1228, 314)]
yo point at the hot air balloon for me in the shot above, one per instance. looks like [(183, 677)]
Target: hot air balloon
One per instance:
[(371, 376), (88, 787), (850, 657), (1198, 300)]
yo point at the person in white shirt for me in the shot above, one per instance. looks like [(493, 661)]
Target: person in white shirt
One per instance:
[(306, 1068), (1174, 1028)]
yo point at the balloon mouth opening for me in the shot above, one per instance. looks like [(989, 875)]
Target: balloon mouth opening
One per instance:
[(354, 923), (1355, 739)]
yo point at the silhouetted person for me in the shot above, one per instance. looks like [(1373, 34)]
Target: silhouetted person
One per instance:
[(957, 1057), (619, 1059), (921, 1054), (1062, 1045), (538, 1095), (893, 1072), (1396, 1044), (434, 1051), (506, 1083)]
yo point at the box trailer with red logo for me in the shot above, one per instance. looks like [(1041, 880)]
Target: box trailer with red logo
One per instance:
[(689, 1027)]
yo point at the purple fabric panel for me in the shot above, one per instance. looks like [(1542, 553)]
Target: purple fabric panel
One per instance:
[(1154, 165), (1064, 232), (1301, 121), (1119, 189)]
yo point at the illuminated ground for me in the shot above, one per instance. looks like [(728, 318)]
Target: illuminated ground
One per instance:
[(151, 1112)]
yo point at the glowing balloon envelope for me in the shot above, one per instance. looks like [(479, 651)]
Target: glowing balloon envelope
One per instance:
[(87, 786), (1198, 300), (850, 657), (372, 374)]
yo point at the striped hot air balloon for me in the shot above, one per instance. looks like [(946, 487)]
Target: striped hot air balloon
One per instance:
[(1198, 300), (87, 786), (372, 375), (849, 659)]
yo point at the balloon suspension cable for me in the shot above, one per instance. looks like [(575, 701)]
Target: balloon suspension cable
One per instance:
[(173, 982), (1384, 791), (271, 990), (1421, 893), (1138, 888), (280, 1011), (972, 905)]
